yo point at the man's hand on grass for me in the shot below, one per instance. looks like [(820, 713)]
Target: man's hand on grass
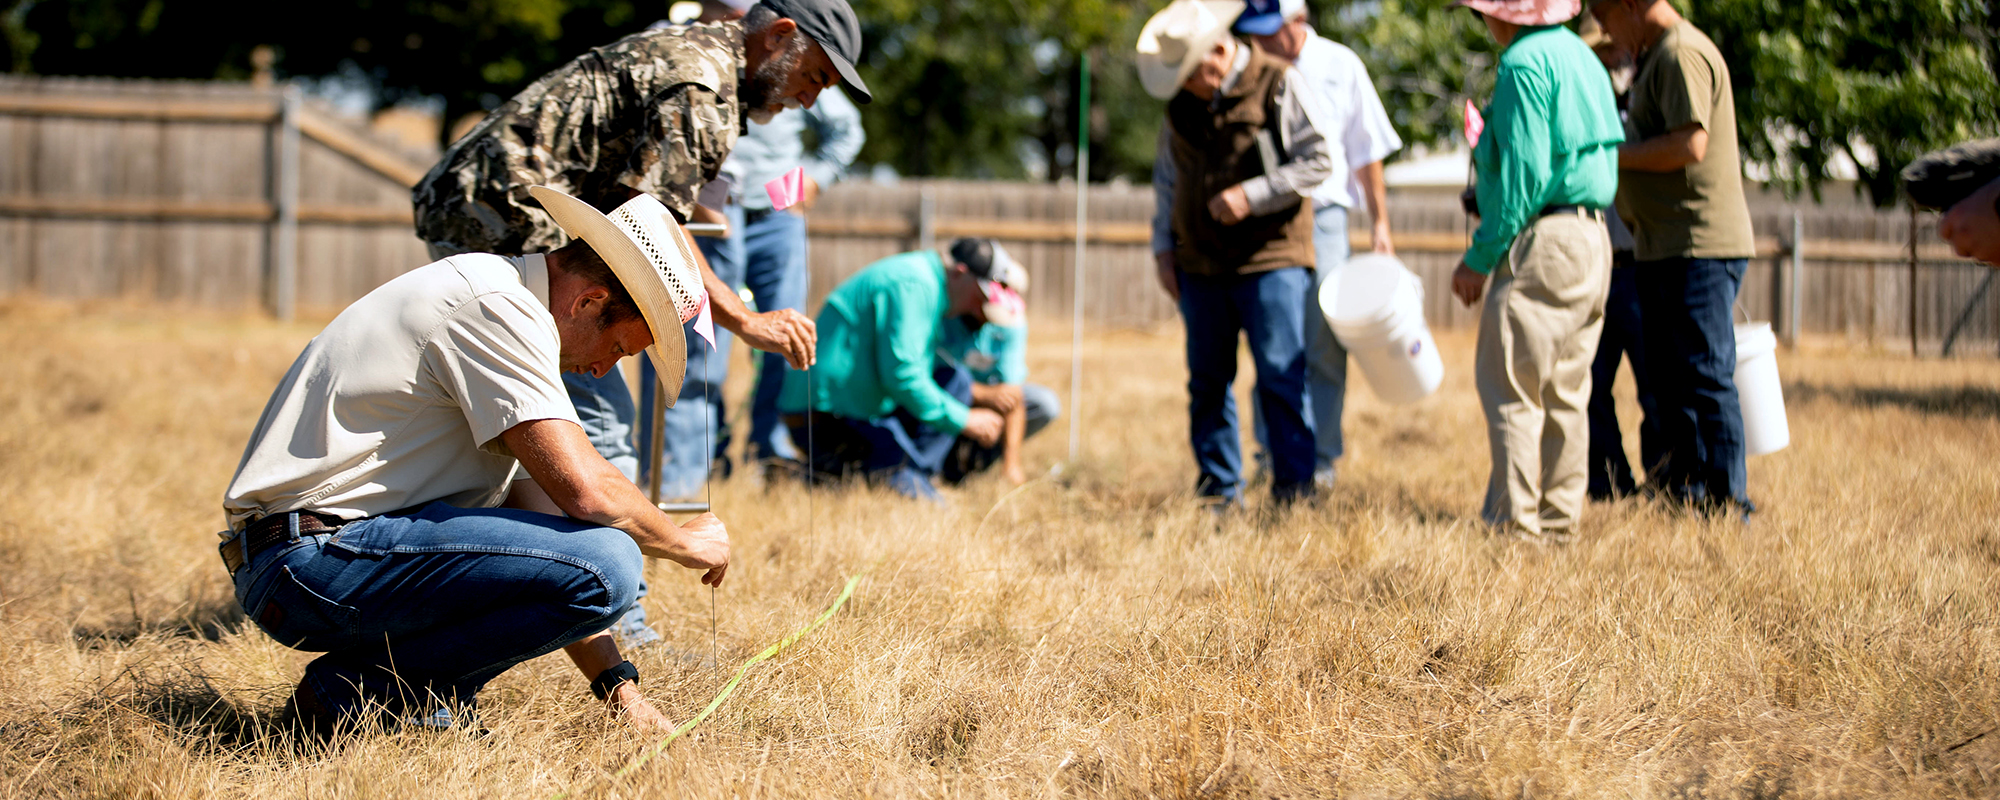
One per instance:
[(632, 708)]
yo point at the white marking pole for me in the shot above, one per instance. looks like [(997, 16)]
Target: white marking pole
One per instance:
[(1076, 266)]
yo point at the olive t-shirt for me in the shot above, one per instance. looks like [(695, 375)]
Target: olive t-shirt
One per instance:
[(1697, 211)]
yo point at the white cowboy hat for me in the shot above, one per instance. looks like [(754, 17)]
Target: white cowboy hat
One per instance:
[(1178, 38), (1526, 12), (645, 248)]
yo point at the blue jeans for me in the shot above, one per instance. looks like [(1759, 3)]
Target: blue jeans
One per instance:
[(1326, 359), (604, 406), (1270, 309), (768, 256), (898, 449), (421, 610), (967, 457), (1690, 362), (1610, 472)]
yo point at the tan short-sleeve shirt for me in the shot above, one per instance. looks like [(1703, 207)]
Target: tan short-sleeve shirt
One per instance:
[(402, 399), (1698, 211)]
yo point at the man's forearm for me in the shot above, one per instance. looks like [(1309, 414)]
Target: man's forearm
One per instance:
[(1666, 152), (1377, 190), (727, 308), (1017, 432)]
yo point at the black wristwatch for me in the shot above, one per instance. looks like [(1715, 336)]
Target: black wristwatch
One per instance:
[(610, 678)]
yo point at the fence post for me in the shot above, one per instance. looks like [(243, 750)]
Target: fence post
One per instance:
[(1913, 279), (1797, 283), (284, 256), (927, 218), (1076, 269)]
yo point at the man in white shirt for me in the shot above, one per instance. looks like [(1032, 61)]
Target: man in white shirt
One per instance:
[(366, 518), (1361, 136)]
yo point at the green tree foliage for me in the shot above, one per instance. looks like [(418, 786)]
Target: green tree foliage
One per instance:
[(979, 88), (1881, 81), (472, 53)]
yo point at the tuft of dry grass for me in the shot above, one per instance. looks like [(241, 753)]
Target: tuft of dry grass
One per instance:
[(1090, 635)]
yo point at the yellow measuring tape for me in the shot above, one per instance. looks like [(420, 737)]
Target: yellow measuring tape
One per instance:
[(769, 652)]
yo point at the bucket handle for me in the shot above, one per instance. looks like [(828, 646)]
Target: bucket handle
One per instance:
[(1744, 312)]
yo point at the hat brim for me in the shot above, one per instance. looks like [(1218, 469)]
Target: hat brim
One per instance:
[(848, 77), (640, 278), (1163, 80), (1259, 24)]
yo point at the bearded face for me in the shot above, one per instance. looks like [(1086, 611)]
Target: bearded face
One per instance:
[(762, 92)]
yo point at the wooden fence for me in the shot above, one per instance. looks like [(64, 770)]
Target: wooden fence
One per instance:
[(226, 195)]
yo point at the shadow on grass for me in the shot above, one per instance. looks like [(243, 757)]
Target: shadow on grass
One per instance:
[(208, 620), (1966, 402)]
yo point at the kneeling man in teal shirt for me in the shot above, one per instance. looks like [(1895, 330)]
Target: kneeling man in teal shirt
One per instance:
[(879, 404)]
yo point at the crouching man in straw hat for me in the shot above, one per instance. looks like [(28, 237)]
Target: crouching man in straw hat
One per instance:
[(1547, 167), (1241, 151), (419, 502), (881, 404), (655, 113)]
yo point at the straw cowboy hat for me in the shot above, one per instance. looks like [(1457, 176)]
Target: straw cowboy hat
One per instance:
[(1526, 12), (645, 248), (1177, 38)]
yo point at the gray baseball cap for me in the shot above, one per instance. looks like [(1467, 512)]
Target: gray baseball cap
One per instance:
[(832, 24)]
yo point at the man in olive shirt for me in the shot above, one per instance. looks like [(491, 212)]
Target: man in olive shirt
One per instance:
[(1681, 188)]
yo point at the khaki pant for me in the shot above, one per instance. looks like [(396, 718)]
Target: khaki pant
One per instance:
[(1537, 339)]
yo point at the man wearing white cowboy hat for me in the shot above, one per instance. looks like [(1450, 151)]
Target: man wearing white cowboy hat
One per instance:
[(418, 500), (1547, 168), (880, 404), (1241, 150)]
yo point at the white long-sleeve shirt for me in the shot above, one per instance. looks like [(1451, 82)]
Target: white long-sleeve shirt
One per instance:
[(1358, 124)]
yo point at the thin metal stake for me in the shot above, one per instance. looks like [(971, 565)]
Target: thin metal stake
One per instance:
[(708, 486)]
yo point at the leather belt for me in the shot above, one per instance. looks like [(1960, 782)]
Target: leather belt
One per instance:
[(273, 529), (752, 216), (1573, 210)]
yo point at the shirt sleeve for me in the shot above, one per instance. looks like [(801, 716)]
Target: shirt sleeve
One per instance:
[(499, 360), (837, 124), (1370, 136), (1012, 364), (903, 358), (1163, 192), (1308, 158), (683, 146), (1513, 162), (1683, 89)]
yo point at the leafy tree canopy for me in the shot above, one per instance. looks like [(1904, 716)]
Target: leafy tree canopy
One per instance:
[(977, 88)]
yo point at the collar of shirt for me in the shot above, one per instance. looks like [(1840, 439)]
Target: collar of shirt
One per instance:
[(534, 269)]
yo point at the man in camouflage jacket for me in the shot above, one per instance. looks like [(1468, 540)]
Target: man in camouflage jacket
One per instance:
[(657, 113)]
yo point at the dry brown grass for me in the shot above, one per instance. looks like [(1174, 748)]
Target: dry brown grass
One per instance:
[(1097, 637)]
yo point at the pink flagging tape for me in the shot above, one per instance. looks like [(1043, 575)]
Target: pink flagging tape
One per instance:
[(788, 189)]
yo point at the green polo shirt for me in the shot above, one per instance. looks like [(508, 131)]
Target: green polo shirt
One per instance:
[(1552, 136), (877, 335)]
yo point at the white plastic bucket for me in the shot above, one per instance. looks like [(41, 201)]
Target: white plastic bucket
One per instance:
[(1376, 309), (1765, 429)]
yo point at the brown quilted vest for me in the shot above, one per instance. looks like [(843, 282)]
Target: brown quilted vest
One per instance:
[(1216, 149)]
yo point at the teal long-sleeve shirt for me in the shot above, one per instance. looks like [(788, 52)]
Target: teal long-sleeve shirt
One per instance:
[(1552, 136), (877, 335)]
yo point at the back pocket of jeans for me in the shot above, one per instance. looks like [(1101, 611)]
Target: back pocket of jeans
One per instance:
[(302, 619)]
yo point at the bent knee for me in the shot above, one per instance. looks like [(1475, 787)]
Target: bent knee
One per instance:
[(613, 558)]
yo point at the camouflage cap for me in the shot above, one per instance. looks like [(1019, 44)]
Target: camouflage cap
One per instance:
[(832, 24)]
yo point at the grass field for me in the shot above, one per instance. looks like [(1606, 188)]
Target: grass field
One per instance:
[(1092, 636)]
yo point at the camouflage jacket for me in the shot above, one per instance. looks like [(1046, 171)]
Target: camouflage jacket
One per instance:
[(654, 111)]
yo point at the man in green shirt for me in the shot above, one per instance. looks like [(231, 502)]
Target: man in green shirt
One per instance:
[(879, 404), (1547, 169), (1681, 188)]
